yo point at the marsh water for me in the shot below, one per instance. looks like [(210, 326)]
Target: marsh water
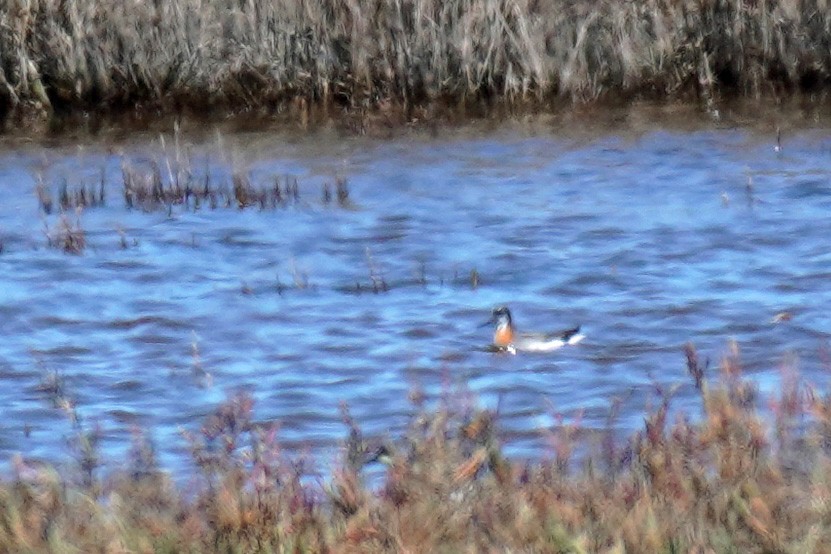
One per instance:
[(650, 230)]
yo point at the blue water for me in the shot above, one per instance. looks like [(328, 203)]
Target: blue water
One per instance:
[(649, 237)]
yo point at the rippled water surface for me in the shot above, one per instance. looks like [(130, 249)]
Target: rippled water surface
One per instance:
[(650, 233)]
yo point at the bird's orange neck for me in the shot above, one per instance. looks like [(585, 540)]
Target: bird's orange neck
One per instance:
[(503, 336)]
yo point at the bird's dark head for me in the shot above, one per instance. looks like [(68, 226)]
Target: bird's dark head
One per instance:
[(501, 316)]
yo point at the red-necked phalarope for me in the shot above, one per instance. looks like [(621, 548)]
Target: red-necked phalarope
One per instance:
[(506, 338)]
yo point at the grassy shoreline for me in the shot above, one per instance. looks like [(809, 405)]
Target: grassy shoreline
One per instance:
[(735, 480), (393, 61)]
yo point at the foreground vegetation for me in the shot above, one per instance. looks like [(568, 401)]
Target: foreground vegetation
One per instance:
[(730, 480), (401, 59)]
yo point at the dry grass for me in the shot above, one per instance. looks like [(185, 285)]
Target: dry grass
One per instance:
[(69, 235), (398, 59), (735, 481), (172, 179)]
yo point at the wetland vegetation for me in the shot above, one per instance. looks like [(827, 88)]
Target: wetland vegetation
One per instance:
[(394, 61), (730, 481)]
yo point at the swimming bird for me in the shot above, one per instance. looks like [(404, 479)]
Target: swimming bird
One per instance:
[(507, 339)]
